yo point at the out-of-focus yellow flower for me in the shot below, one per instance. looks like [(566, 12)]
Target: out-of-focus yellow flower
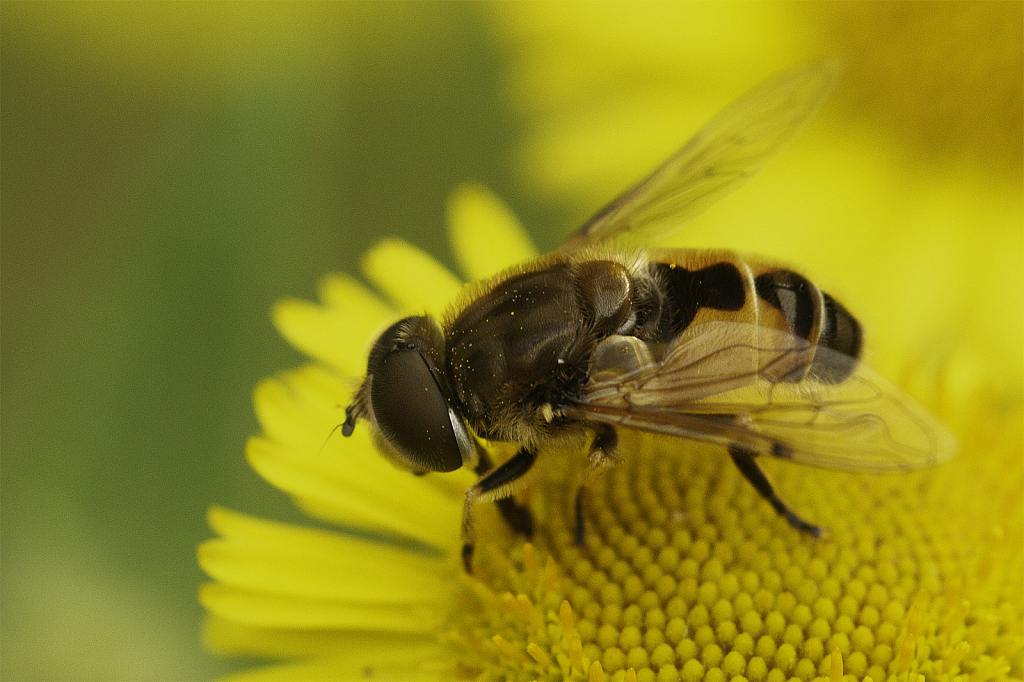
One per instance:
[(685, 574), (904, 199)]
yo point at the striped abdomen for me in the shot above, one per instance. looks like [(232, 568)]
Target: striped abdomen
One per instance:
[(704, 286)]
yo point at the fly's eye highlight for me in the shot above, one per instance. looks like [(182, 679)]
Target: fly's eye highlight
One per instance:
[(410, 403)]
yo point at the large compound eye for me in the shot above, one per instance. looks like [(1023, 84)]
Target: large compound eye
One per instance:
[(411, 408)]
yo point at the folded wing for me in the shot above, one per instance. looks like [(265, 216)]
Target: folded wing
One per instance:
[(730, 382)]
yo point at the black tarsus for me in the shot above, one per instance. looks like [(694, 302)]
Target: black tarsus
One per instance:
[(578, 537), (483, 461), (517, 516), (744, 461), (349, 425)]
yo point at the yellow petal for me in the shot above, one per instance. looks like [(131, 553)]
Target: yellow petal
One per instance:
[(302, 407), (392, 502), (282, 559), (386, 658), (258, 609), (280, 570), (337, 332), (486, 236), (234, 639), (345, 480), (410, 277)]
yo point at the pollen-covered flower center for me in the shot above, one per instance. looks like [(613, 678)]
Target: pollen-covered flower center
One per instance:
[(686, 573)]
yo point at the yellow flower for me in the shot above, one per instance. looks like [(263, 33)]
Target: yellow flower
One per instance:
[(913, 172), (686, 573)]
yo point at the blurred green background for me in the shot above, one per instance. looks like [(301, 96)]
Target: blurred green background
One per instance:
[(170, 170)]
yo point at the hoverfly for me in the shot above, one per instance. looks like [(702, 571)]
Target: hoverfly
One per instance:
[(707, 345)]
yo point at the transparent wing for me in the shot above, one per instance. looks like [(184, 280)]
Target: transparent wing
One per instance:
[(729, 150), (770, 391)]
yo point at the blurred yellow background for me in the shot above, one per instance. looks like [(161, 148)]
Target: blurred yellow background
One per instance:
[(169, 170)]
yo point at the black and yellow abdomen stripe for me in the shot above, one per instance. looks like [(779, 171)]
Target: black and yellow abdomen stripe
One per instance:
[(705, 286)]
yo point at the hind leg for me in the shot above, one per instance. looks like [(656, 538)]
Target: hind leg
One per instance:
[(744, 461)]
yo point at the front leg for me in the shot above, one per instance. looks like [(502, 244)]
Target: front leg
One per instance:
[(495, 485), (517, 516)]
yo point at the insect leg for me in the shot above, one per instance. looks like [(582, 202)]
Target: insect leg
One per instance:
[(517, 516), (483, 460), (493, 483), (744, 461), (602, 453)]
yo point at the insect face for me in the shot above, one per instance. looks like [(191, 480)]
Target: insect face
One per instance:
[(407, 399)]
